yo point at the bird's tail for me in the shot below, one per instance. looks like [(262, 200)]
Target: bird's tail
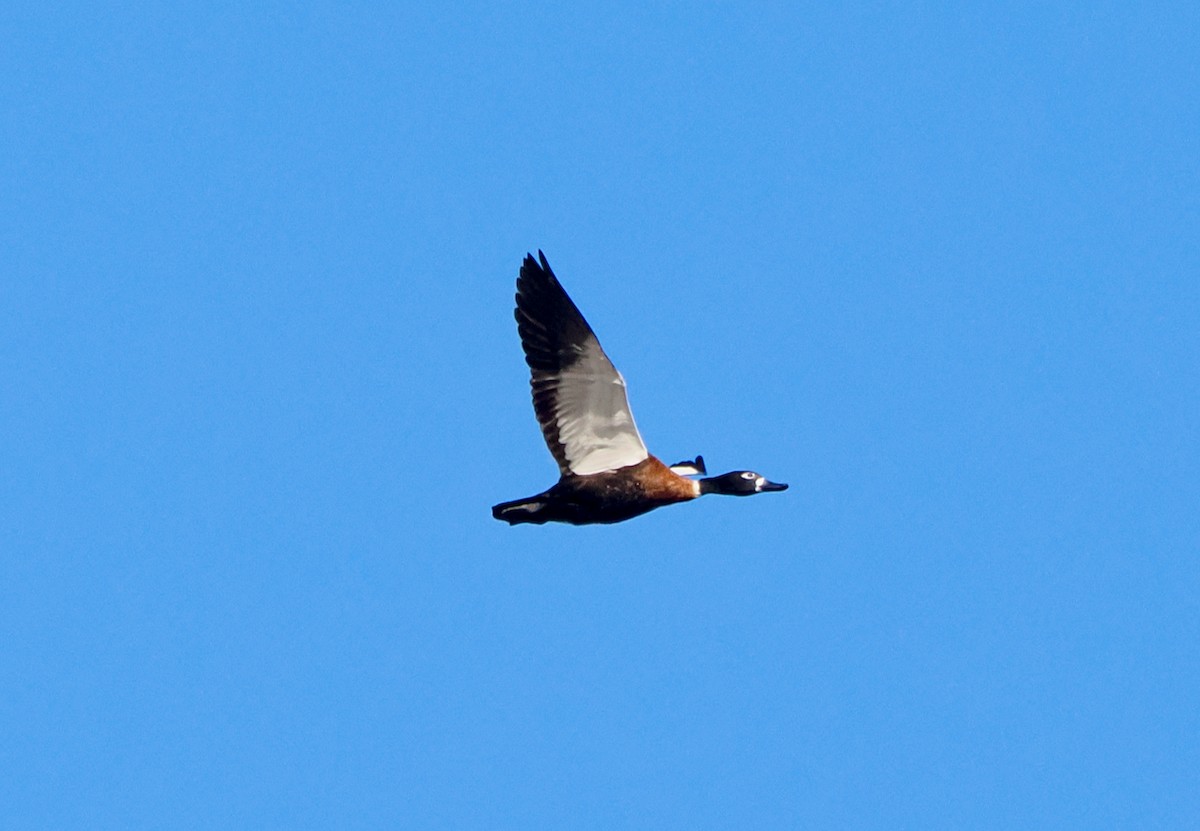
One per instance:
[(521, 510)]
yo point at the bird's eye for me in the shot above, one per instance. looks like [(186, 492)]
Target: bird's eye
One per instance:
[(749, 475)]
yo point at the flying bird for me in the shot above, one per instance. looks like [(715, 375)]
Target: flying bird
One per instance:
[(606, 473)]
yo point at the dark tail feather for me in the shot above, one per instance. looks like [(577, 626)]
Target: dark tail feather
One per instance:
[(521, 510)]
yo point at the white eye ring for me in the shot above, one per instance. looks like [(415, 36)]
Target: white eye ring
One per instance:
[(749, 475)]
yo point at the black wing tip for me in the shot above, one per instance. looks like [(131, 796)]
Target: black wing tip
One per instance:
[(530, 266), (539, 268)]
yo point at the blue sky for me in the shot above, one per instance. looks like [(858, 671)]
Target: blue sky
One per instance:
[(935, 266)]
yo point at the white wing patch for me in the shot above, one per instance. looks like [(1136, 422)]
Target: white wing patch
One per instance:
[(594, 422)]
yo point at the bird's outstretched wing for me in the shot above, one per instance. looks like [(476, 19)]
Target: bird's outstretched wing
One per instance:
[(578, 395), (692, 468)]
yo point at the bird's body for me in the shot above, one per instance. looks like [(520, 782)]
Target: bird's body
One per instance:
[(606, 497), (606, 473)]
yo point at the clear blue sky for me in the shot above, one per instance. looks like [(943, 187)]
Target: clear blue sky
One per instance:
[(935, 266)]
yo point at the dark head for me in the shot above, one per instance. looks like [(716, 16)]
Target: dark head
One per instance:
[(739, 483)]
